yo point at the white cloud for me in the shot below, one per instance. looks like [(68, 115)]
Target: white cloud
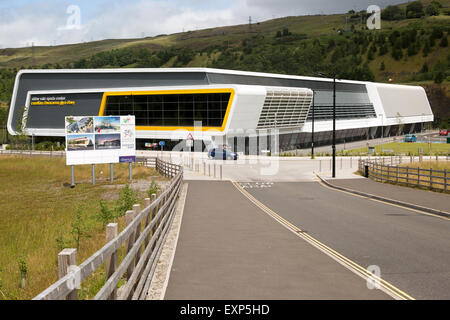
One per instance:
[(43, 22)]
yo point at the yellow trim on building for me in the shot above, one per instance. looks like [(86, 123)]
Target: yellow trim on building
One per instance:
[(159, 92)]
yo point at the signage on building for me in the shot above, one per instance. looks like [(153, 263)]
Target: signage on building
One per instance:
[(94, 140)]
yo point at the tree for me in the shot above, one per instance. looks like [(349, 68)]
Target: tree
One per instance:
[(444, 42), (414, 10), (392, 13), (426, 49), (424, 68), (439, 77), (397, 53), (382, 66), (432, 9), (383, 50)]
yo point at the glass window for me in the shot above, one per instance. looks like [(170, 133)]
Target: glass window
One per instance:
[(140, 99), (171, 109), (170, 98), (154, 98)]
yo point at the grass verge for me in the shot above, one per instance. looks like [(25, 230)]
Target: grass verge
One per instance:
[(40, 214)]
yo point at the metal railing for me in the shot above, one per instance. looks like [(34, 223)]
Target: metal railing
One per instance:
[(390, 169), (142, 238), (31, 153)]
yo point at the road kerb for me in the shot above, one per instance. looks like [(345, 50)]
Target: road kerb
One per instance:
[(415, 207)]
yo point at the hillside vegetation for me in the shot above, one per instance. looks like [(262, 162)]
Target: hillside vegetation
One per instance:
[(411, 47)]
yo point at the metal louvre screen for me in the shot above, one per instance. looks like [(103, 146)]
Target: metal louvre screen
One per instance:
[(359, 111), (284, 108)]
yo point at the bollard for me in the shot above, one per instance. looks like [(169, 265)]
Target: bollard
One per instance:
[(221, 172)]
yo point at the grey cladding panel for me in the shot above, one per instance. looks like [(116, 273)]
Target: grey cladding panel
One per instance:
[(52, 116), (218, 78), (89, 80)]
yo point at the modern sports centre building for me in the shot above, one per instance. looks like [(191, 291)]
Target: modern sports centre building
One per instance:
[(244, 110)]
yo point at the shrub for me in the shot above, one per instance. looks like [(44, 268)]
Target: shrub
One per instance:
[(152, 189), (106, 215), (79, 227), (126, 201)]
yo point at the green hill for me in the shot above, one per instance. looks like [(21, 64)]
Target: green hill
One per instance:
[(411, 47)]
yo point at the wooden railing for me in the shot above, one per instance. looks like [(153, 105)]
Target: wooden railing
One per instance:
[(167, 169), (142, 238), (390, 169)]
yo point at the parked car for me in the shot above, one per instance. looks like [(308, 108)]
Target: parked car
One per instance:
[(223, 154), (443, 132), (410, 138)]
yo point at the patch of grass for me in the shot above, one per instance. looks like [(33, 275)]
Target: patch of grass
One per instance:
[(38, 211), (406, 148)]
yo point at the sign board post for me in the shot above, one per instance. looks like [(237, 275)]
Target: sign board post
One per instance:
[(111, 170), (95, 140)]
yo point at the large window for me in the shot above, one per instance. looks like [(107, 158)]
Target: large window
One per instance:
[(180, 110)]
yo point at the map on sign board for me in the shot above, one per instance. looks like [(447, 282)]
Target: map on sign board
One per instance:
[(94, 140)]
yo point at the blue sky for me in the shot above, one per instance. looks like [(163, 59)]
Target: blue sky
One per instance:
[(47, 22)]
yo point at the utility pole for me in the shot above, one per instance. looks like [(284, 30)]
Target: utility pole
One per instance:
[(312, 131), (334, 127)]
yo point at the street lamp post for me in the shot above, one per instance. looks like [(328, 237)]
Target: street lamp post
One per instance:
[(382, 132), (334, 127), (312, 132), (333, 146)]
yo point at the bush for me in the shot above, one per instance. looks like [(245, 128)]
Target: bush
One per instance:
[(152, 189), (414, 10), (126, 201), (106, 215), (392, 13)]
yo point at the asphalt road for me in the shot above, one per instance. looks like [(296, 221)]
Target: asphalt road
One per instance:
[(411, 249), (228, 248)]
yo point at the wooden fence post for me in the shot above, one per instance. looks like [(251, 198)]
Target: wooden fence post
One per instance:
[(111, 262), (147, 203), (67, 258), (418, 176), (445, 179), (137, 210), (129, 215), (431, 178), (407, 175)]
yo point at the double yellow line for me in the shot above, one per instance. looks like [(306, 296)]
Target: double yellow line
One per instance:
[(353, 266)]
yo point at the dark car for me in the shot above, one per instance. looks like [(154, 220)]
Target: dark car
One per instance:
[(223, 154)]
